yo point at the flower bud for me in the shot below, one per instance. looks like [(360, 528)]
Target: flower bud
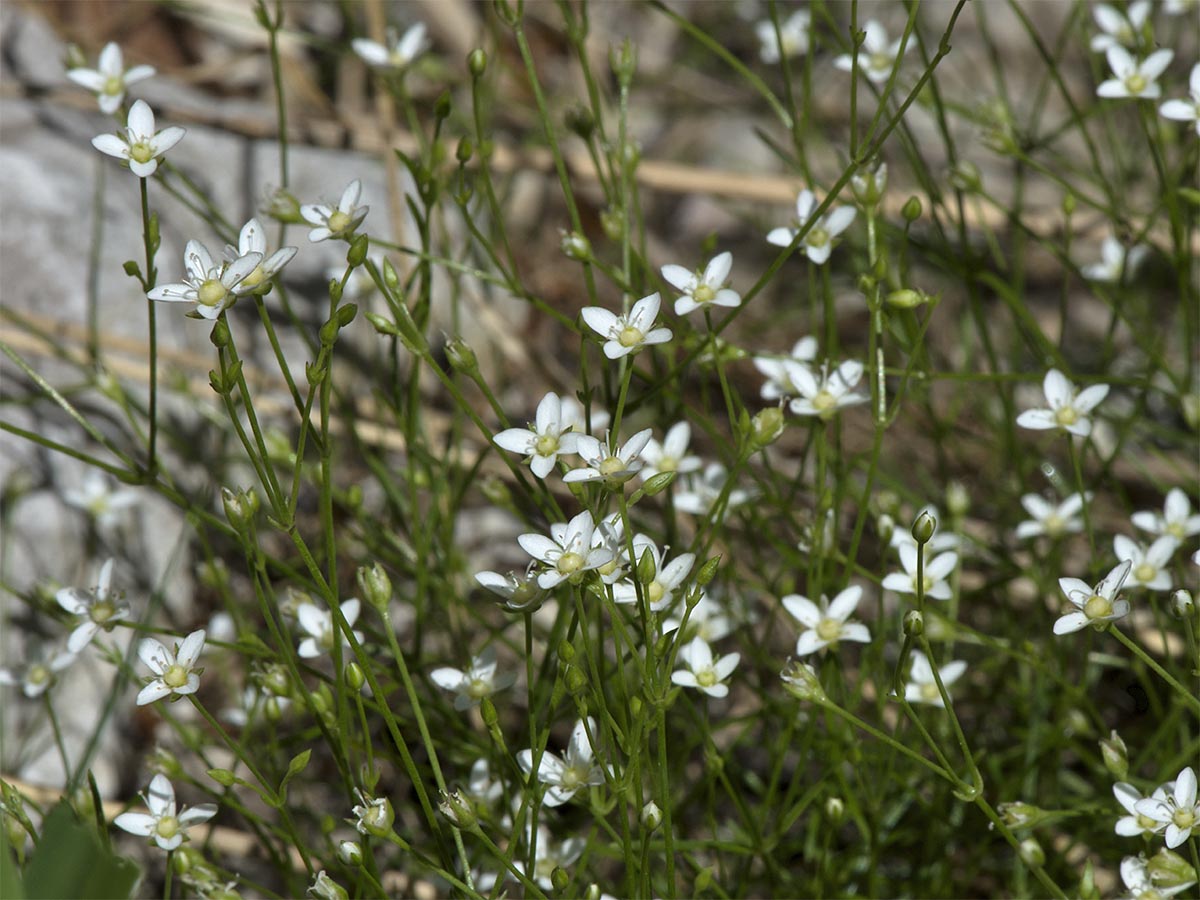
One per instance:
[(282, 207), (275, 680), (911, 209), (593, 892), (1182, 604), (1068, 203), (656, 484), (350, 853), (240, 507), (958, 501), (560, 878), (1189, 405), (575, 680), (1115, 755), (74, 58), (1087, 883), (623, 60), (965, 176), (651, 816), (375, 816), (566, 652), (800, 680), (382, 324), (1031, 852), (477, 62), (575, 246), (580, 120), (766, 427), (325, 888), (461, 356), (223, 777), (354, 676), (613, 223), (1170, 870), (375, 586), (464, 151), (1020, 814), (869, 187), (708, 571), (914, 623), (923, 527), (906, 298), (457, 807), (835, 809), (886, 526)]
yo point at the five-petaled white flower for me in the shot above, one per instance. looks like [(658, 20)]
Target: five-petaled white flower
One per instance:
[(399, 52), (779, 383), (175, 671), (336, 221), (922, 687), (612, 467), (827, 623), (876, 57), (142, 145), (1134, 78), (548, 436), (1116, 263), (1094, 606), (99, 500), (321, 628), (165, 824), (1068, 407), (568, 774), (832, 392), (671, 455), (519, 590), (1178, 809), (792, 40), (703, 289), (630, 332), (703, 671), (659, 581), (209, 284), (702, 490), (1175, 520), (1135, 872), (1119, 28), (1186, 110), (568, 552), (109, 80), (1149, 564), (1054, 520), (38, 675), (98, 608), (253, 240), (934, 576), (818, 242), (1134, 824), (478, 681)]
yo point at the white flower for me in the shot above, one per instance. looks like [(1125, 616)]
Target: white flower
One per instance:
[(703, 289), (936, 571), (336, 221), (628, 333), (109, 80), (610, 536), (176, 671), (827, 624), (549, 855), (834, 391), (661, 582), (818, 242), (1186, 110), (321, 628), (1178, 7), (792, 40), (142, 145), (779, 384), (1094, 606), (1149, 564), (548, 436), (208, 284), (165, 824), (1133, 824), (1051, 519), (1116, 262), (1175, 520), (612, 468), (253, 240), (567, 775), (876, 57), (1134, 78), (97, 608), (575, 417), (1119, 28), (1136, 875), (478, 681), (708, 620), (99, 500), (702, 491), (1069, 407), (404, 48), (37, 676), (519, 591), (671, 455), (568, 552), (922, 688), (702, 671), (1178, 810)]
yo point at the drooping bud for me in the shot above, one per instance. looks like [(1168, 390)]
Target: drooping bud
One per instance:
[(325, 888), (911, 209), (800, 680), (1115, 755)]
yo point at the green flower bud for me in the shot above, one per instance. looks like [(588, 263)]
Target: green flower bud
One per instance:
[(835, 809), (1020, 814), (375, 586), (477, 62), (283, 207), (703, 880), (223, 777), (457, 807), (1087, 883), (1189, 405), (911, 209), (442, 106), (240, 507), (958, 501), (575, 680), (1170, 870), (885, 525), (868, 188), (74, 58), (1031, 852), (390, 277), (350, 853), (905, 298), (914, 623), (566, 652), (382, 324), (623, 60), (575, 246), (325, 888), (613, 223), (1068, 204), (375, 816), (923, 528), (651, 816), (220, 334), (766, 427), (1182, 604), (357, 254), (800, 680), (965, 176), (275, 680), (579, 119), (1115, 756), (461, 356), (656, 484), (560, 878), (354, 676), (464, 151), (708, 571)]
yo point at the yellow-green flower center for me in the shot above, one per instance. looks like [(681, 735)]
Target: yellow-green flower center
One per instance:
[(667, 464), (1145, 572), (824, 401), (570, 563), (880, 61), (175, 677), (1175, 530), (37, 674), (211, 292), (326, 637), (572, 778), (113, 85), (1097, 607), (1146, 823), (338, 222), (1066, 415), (101, 611), (703, 294), (479, 688), (817, 237), (545, 445), (1184, 818), (167, 827), (929, 691), (141, 151), (611, 465), (1055, 525), (1136, 83), (655, 591), (829, 629), (255, 278), (630, 336), (706, 678)]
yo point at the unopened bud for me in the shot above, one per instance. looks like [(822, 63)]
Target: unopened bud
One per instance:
[(923, 527), (375, 816), (906, 298), (886, 526), (835, 809), (325, 888), (914, 623), (575, 680), (223, 777), (560, 878), (869, 187), (74, 58), (465, 150), (354, 676), (800, 680), (651, 816), (275, 680), (357, 254), (457, 807), (1115, 755), (461, 356), (283, 207), (1182, 604), (1189, 405), (580, 120), (708, 571), (958, 501), (375, 586), (623, 60), (766, 427), (1169, 870), (477, 62), (911, 209), (1020, 814), (350, 853), (576, 246), (1068, 203), (240, 506), (1031, 852)]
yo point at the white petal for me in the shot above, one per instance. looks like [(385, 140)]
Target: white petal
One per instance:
[(1090, 397), (141, 119), (189, 650), (449, 679), (1156, 63), (196, 814), (154, 655), (111, 145), (1071, 622), (809, 642), (1037, 419), (155, 690), (599, 319), (167, 138), (780, 237), (845, 603), (136, 823), (370, 52), (839, 219), (644, 312), (1185, 789), (679, 277), (350, 195), (717, 271), (802, 609)]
